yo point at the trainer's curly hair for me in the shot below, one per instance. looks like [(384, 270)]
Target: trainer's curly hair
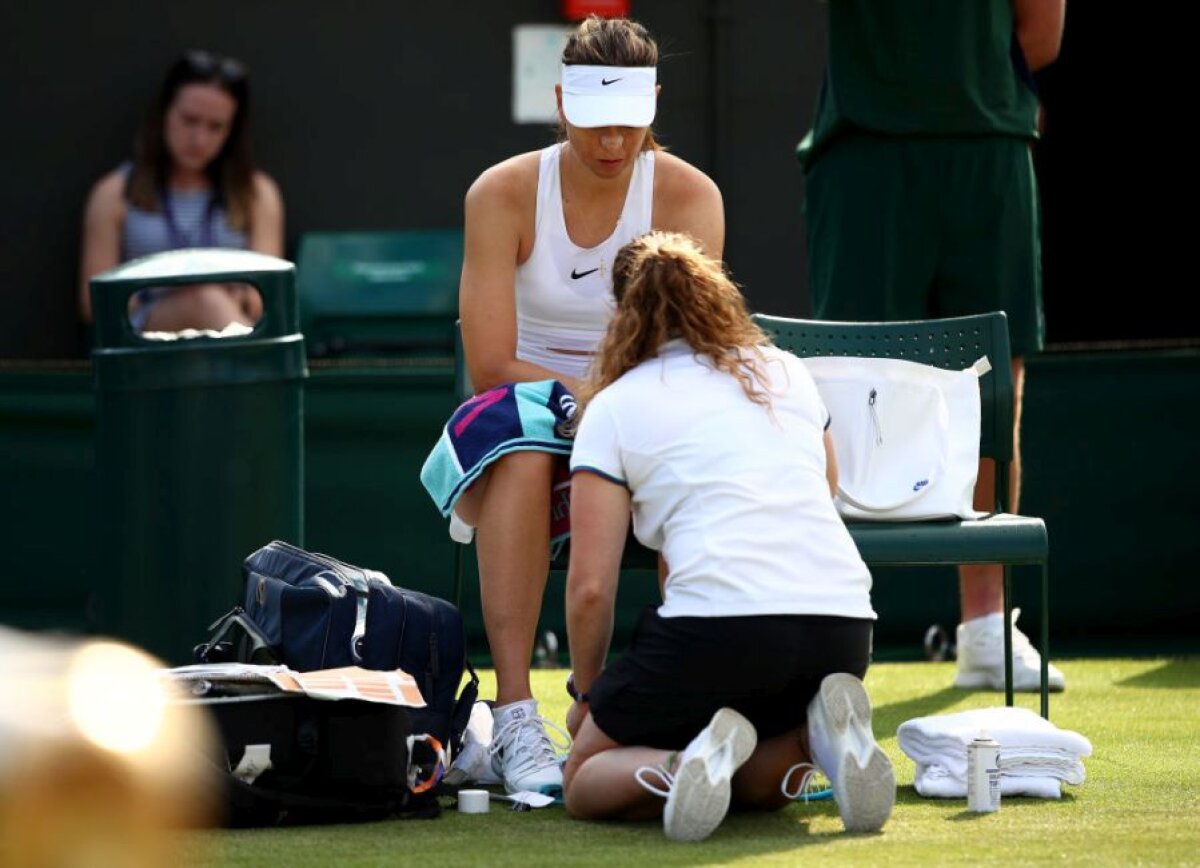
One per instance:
[(666, 287)]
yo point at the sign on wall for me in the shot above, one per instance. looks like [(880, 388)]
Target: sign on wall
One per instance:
[(537, 55)]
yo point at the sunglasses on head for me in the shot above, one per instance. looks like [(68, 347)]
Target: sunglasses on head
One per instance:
[(208, 64)]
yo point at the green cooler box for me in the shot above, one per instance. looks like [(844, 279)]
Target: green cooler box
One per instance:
[(380, 293)]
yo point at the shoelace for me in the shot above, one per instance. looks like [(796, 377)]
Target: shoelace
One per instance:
[(809, 770), (804, 791), (529, 732), (661, 773)]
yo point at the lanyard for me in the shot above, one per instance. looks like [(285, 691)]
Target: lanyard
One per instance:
[(177, 239)]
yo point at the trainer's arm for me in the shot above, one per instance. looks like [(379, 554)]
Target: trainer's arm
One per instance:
[(599, 522), (487, 303), (1040, 30), (831, 470)]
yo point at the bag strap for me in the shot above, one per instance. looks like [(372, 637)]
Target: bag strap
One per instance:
[(460, 715), (234, 638), (904, 501)]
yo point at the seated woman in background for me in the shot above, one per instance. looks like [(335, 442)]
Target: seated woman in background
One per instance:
[(749, 672), (192, 183)]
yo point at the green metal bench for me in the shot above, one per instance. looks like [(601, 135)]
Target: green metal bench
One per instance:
[(998, 538)]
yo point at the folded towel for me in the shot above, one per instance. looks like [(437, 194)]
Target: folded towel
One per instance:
[(1036, 757), (508, 418), (1012, 727), (936, 782)]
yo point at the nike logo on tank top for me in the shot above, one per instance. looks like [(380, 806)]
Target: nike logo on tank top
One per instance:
[(563, 291)]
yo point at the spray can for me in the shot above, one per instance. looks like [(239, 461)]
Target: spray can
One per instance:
[(983, 774)]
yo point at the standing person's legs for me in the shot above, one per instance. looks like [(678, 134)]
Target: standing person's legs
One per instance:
[(510, 508), (872, 231), (981, 586), (993, 262)]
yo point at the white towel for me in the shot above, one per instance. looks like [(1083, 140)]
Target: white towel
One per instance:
[(1036, 757), (935, 782)]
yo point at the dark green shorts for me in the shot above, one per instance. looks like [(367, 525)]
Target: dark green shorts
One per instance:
[(914, 228)]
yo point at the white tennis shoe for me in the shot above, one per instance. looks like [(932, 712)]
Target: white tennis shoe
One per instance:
[(844, 748), (698, 792)]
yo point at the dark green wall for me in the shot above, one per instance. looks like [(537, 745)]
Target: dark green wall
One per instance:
[(1106, 438), (377, 115)]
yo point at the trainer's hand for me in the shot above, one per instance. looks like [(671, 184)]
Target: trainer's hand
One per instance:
[(575, 717)]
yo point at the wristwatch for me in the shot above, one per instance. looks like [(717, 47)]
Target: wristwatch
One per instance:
[(572, 692)]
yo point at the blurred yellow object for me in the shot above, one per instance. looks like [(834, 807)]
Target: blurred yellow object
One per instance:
[(99, 768)]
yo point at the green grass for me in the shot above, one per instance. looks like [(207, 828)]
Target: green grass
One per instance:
[(1139, 805)]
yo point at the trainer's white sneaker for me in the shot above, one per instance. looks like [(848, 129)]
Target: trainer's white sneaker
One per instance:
[(844, 748), (523, 755), (698, 792), (981, 657)]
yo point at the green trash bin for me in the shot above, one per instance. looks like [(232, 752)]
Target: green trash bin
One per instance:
[(199, 449)]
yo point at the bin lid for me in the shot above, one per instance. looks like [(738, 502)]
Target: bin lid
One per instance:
[(208, 263)]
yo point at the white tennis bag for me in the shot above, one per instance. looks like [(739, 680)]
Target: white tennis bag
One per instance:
[(906, 436)]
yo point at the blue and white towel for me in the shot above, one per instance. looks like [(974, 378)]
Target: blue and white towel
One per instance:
[(508, 418)]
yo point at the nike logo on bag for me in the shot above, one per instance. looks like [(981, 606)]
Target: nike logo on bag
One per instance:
[(575, 275), (605, 82)]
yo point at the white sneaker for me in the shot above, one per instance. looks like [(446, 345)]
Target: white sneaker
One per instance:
[(698, 792), (981, 657), (844, 748), (522, 753)]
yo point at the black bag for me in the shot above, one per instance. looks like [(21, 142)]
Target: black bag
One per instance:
[(290, 758), (315, 612)]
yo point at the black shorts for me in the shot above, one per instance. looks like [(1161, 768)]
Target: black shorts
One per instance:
[(679, 671)]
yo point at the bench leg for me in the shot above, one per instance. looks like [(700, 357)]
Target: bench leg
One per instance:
[(1045, 647), (1008, 663)]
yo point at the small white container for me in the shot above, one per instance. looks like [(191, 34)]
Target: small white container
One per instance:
[(983, 774), (473, 801)]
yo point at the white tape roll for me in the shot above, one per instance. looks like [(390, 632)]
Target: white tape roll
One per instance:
[(472, 801)]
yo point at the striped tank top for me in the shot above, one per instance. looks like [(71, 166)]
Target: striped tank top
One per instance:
[(188, 218)]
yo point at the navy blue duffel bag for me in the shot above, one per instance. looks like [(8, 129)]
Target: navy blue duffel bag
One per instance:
[(313, 611)]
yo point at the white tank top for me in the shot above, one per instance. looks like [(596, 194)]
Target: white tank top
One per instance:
[(564, 292)]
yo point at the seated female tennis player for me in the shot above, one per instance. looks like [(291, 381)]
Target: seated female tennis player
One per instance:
[(749, 672)]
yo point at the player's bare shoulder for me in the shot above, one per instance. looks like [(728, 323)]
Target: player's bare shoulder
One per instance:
[(511, 183), (678, 186), (687, 200)]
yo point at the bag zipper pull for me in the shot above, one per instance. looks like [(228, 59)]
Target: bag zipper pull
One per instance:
[(875, 418)]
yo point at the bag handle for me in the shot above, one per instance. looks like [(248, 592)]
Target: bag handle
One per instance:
[(234, 638), (904, 501)]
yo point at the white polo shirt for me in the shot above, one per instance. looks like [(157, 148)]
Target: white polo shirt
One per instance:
[(734, 496)]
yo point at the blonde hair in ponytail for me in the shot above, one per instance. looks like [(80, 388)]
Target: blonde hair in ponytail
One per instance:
[(665, 288)]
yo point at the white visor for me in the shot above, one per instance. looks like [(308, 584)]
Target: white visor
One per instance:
[(609, 96)]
